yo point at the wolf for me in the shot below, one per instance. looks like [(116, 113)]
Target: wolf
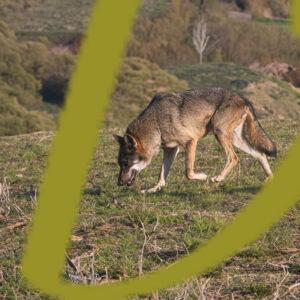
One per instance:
[(179, 120)]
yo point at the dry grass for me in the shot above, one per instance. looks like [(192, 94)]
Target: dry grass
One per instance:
[(122, 234)]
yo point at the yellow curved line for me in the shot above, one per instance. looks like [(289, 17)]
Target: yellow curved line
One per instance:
[(58, 203)]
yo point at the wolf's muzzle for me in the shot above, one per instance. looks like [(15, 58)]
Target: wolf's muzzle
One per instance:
[(125, 180)]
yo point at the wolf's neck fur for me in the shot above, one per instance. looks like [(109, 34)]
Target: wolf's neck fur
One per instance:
[(146, 131)]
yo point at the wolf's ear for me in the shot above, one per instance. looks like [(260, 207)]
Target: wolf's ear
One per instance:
[(118, 138), (130, 141)]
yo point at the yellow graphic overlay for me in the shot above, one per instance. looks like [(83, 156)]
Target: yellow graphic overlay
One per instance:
[(296, 16), (90, 89)]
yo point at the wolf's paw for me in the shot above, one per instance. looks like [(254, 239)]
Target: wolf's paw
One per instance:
[(200, 176), (153, 190), (217, 179), (197, 176)]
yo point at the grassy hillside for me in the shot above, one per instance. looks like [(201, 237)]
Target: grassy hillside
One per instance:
[(121, 233), (46, 15), (72, 16), (270, 96), (16, 119), (20, 100), (108, 237), (163, 29), (138, 81)]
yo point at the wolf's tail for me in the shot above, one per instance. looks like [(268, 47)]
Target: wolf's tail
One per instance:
[(256, 136)]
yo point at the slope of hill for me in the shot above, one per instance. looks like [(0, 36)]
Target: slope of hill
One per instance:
[(46, 15), (121, 233), (271, 97), (19, 96), (107, 241), (138, 81)]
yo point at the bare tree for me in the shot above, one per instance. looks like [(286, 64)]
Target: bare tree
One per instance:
[(200, 37)]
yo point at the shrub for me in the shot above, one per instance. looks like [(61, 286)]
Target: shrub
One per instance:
[(247, 42), (15, 80), (166, 40), (16, 119), (52, 69), (28, 69), (138, 81)]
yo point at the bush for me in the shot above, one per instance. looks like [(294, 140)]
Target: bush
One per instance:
[(247, 42), (52, 69), (138, 81), (16, 119), (165, 36), (31, 71), (28, 71), (14, 79), (166, 40)]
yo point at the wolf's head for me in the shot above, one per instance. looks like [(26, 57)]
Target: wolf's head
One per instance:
[(131, 159)]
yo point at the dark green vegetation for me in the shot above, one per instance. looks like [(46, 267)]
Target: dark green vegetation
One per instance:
[(15, 119), (19, 90), (108, 238), (137, 83), (279, 22), (31, 76)]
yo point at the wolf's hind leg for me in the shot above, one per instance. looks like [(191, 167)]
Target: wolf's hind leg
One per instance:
[(242, 144), (225, 140), (169, 156), (190, 161)]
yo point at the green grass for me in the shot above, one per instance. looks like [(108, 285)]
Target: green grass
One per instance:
[(55, 18), (109, 236), (273, 21), (47, 15), (260, 290), (153, 8), (211, 75)]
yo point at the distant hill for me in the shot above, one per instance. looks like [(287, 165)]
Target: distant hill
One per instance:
[(72, 16), (46, 15)]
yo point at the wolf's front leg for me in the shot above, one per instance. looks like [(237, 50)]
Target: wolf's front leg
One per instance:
[(232, 160), (190, 161), (169, 156)]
